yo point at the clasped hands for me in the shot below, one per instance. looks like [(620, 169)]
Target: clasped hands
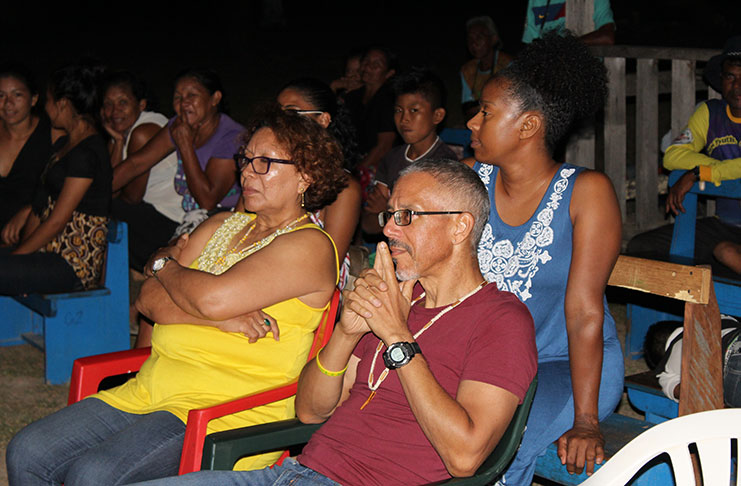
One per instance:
[(254, 325), (379, 303)]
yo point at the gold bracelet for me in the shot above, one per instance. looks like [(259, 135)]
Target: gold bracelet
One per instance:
[(325, 370)]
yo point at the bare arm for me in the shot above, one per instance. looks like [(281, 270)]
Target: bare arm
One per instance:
[(377, 202), (604, 36), (596, 243), (208, 186), (256, 281), (134, 191), (73, 190), (341, 217), (139, 162)]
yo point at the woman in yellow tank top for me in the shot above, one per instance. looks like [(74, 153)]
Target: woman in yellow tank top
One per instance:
[(235, 304)]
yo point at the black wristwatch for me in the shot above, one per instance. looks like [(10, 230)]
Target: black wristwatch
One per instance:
[(399, 354), (696, 171)]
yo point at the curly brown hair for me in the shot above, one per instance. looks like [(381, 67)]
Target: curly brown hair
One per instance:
[(314, 151)]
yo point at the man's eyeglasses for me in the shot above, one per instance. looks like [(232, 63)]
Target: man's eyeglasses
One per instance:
[(403, 217), (261, 165)]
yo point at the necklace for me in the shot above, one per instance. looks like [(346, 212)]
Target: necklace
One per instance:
[(374, 386), (229, 256)]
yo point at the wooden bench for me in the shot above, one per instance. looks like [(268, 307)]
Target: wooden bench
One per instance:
[(72, 325), (701, 385)]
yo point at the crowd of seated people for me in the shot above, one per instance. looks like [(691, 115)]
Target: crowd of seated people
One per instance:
[(241, 236)]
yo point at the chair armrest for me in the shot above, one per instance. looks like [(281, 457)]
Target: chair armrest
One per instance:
[(198, 419), (88, 372), (224, 449)]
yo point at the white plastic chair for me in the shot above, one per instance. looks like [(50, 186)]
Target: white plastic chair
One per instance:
[(711, 431)]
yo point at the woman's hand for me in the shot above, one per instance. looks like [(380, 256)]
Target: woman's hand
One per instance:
[(183, 134), (582, 444), (172, 251), (255, 325), (118, 137), (11, 233)]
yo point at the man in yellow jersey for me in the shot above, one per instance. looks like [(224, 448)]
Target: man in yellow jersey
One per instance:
[(709, 149)]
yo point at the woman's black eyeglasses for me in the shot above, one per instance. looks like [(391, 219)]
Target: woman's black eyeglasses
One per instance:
[(261, 165), (403, 217)]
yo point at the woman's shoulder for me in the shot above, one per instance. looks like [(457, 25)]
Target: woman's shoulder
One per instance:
[(228, 125)]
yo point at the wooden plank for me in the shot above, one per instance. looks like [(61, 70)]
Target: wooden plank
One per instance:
[(646, 52), (681, 282), (615, 128), (647, 143), (701, 386), (580, 16), (683, 94)]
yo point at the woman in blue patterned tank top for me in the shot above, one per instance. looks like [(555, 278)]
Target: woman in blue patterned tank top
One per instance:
[(553, 236)]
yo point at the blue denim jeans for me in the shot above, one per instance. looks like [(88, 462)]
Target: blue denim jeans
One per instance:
[(92, 443), (290, 473), (552, 412)]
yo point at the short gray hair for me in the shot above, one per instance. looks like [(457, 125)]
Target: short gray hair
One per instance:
[(484, 20), (463, 184)]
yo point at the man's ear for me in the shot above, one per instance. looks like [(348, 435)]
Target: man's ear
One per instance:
[(531, 123), (143, 105), (464, 223), (438, 115)]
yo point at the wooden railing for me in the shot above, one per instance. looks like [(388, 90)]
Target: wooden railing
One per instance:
[(682, 81)]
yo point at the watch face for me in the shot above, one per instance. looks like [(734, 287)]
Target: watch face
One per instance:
[(158, 264), (397, 354)]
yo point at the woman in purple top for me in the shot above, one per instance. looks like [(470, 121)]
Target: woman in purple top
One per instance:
[(205, 140)]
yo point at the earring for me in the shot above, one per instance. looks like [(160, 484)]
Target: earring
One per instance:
[(303, 201)]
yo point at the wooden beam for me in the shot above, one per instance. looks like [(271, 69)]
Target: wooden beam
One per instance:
[(615, 128), (701, 387), (645, 52), (683, 94), (681, 282), (647, 143), (580, 16)]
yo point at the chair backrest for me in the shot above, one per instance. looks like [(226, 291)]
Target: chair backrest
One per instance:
[(460, 137), (683, 239), (712, 433), (507, 446), (326, 325)]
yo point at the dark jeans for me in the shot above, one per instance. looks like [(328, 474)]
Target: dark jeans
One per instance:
[(148, 230), (43, 273)]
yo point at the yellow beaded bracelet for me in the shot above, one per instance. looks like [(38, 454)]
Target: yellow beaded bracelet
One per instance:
[(325, 370)]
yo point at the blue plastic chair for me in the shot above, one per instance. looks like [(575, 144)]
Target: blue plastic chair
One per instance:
[(75, 324), (458, 136)]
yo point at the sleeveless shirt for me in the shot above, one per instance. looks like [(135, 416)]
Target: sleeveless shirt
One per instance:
[(533, 260), (194, 366)]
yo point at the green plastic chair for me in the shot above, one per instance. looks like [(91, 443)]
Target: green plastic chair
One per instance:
[(223, 449)]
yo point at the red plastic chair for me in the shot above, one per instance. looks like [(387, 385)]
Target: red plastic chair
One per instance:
[(87, 373)]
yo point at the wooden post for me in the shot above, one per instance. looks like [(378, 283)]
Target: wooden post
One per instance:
[(647, 143), (701, 387), (683, 93), (615, 129)]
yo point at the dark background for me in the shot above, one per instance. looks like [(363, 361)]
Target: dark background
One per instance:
[(255, 56)]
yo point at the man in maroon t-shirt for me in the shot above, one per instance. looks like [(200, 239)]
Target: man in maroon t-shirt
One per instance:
[(417, 386)]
